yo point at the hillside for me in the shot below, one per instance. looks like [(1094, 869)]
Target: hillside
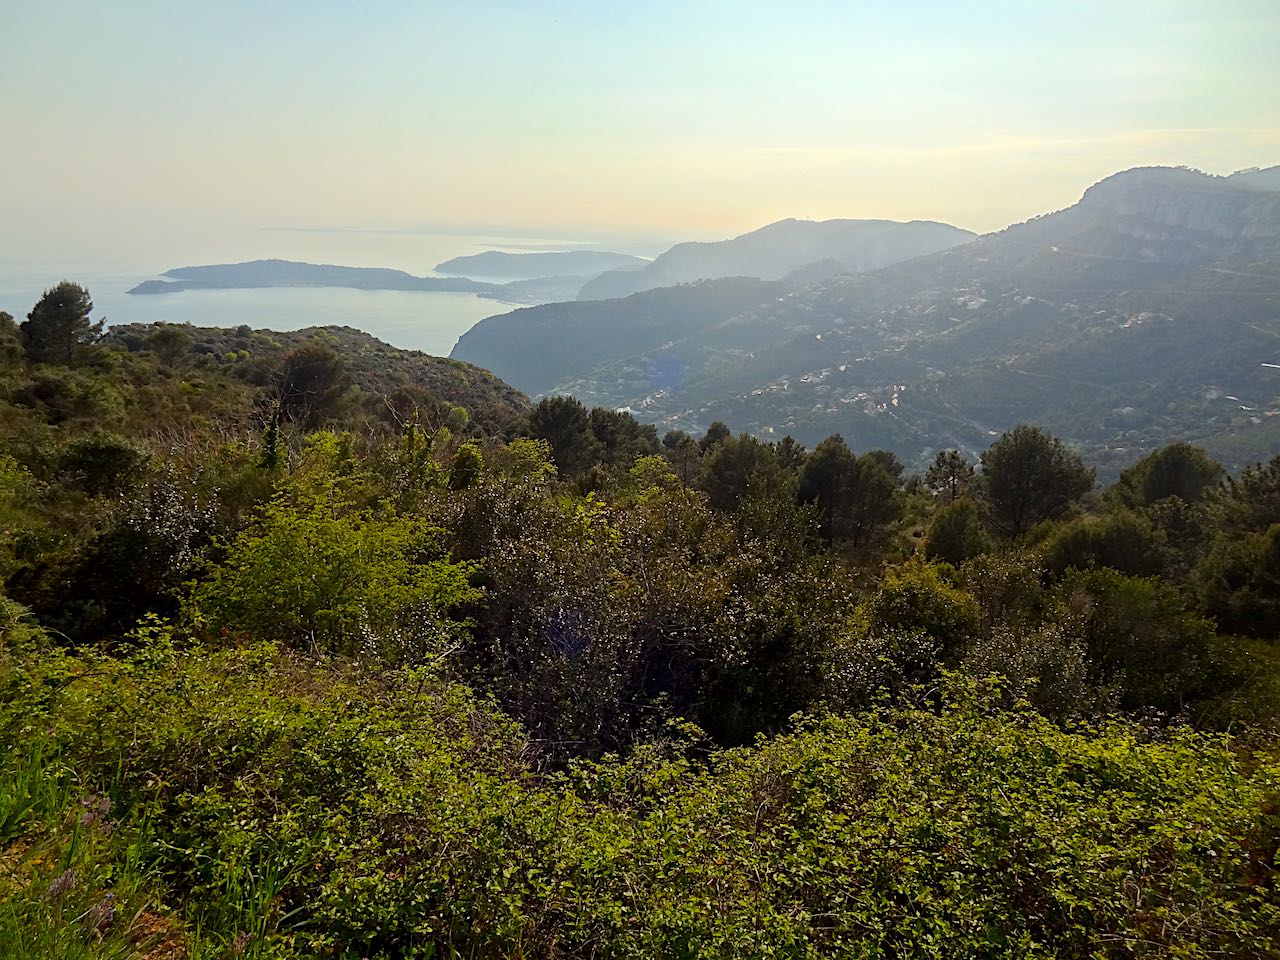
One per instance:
[(531, 266), (300, 659), (1266, 178), (1143, 313), (235, 364), (537, 290), (776, 250), (540, 347)]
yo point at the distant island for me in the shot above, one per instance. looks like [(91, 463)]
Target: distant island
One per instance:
[(532, 266), (255, 274)]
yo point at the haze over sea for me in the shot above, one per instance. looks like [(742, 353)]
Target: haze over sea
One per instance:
[(428, 321)]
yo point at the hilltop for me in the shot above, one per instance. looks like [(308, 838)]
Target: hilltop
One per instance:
[(240, 365), (1259, 178)]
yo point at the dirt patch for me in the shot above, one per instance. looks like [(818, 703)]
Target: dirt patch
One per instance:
[(159, 938)]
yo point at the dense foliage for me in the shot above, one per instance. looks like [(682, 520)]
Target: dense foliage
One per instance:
[(343, 653)]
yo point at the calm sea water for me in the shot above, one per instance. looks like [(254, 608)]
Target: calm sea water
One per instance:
[(426, 321)]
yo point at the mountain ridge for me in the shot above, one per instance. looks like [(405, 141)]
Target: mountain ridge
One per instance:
[(1055, 320), (776, 249)]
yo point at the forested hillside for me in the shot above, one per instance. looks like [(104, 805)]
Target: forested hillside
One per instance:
[(542, 346), (1144, 314), (313, 647)]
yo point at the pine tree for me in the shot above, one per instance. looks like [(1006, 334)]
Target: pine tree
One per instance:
[(59, 323)]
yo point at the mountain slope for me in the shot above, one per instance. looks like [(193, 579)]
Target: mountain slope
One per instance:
[(1143, 313), (1259, 179), (772, 252), (539, 347)]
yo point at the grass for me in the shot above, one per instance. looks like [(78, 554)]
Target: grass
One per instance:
[(72, 885)]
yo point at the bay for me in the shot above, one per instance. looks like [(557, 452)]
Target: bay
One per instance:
[(415, 320)]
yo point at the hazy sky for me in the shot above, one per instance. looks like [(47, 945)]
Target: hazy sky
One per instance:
[(675, 119)]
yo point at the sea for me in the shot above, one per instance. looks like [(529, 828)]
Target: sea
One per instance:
[(430, 321)]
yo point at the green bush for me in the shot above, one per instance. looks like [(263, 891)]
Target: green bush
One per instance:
[(317, 811), (1123, 541), (916, 597), (1008, 589), (956, 534), (1140, 639), (101, 463), (322, 575), (1239, 583), (1045, 667)]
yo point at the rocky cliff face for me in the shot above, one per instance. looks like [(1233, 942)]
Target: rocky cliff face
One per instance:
[(1257, 178), (1183, 216)]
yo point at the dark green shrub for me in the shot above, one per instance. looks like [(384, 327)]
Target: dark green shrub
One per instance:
[(956, 534), (914, 597), (1123, 541)]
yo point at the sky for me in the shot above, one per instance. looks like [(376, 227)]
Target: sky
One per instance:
[(679, 120)]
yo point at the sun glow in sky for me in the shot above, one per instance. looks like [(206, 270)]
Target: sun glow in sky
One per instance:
[(672, 119)]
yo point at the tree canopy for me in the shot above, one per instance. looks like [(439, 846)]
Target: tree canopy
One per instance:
[(59, 323), (1029, 476), (856, 497)]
